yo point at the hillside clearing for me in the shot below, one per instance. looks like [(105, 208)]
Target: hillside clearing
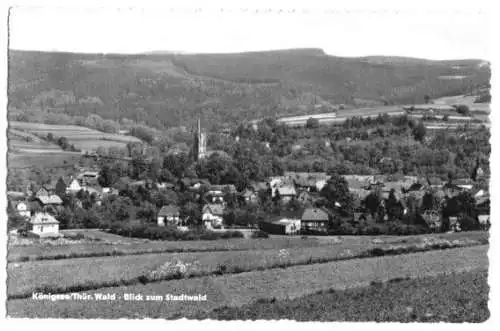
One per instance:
[(81, 137)]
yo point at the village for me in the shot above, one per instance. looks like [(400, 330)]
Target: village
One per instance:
[(41, 205)]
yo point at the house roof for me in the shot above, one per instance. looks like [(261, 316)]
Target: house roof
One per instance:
[(248, 193), (169, 210), (462, 181), (314, 214), (259, 186), (355, 184), (287, 190), (230, 187), (50, 200), (43, 218), (415, 187), (214, 209), (358, 216), (16, 195), (306, 178)]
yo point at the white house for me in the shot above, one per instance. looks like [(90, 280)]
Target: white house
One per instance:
[(212, 215), (169, 214), (44, 224), (23, 209), (74, 186)]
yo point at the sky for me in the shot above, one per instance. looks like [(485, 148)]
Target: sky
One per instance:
[(424, 34)]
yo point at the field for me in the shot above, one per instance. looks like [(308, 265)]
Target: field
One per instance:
[(464, 100), (111, 244), (24, 142), (60, 276), (81, 137), (53, 160), (236, 290), (341, 115), (401, 300)]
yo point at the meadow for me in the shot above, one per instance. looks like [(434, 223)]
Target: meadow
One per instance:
[(114, 245), (69, 275), (236, 290), (464, 299), (81, 137)]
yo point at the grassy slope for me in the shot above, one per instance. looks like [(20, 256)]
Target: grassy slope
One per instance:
[(244, 288), (171, 89), (461, 297)]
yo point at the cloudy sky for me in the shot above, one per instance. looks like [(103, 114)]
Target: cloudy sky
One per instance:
[(426, 34)]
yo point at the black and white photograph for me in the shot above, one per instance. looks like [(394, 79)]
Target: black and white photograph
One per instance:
[(312, 165)]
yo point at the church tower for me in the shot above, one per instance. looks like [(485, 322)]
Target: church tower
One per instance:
[(200, 143)]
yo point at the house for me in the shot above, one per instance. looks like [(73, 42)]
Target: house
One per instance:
[(320, 184), (305, 197), (16, 195), (479, 193), (451, 189), (42, 192), (169, 214), (315, 219), (306, 180), (362, 217), (212, 215), (249, 196), (89, 177), (74, 186), (464, 183), (282, 226), (275, 182), (286, 193), (49, 200), (454, 225), (259, 186), (43, 224), (229, 188), (484, 220), (23, 209)]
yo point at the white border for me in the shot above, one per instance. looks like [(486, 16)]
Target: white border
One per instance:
[(379, 5)]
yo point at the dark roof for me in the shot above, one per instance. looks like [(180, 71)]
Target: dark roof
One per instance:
[(169, 210), (415, 187), (315, 214), (452, 186), (359, 216)]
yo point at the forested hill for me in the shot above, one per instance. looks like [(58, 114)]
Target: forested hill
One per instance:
[(167, 89)]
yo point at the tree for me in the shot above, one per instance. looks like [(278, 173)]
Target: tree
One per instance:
[(463, 109), (336, 191), (60, 187), (312, 123), (192, 212), (147, 212), (107, 176), (427, 99), (419, 132), (372, 202)]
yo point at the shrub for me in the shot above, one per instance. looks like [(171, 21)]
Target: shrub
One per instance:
[(169, 233), (259, 234)]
